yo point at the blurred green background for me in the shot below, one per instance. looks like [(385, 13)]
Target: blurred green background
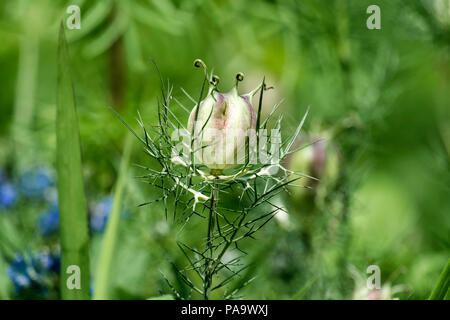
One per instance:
[(380, 98)]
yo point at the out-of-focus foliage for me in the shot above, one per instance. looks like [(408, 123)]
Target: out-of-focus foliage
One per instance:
[(380, 98)]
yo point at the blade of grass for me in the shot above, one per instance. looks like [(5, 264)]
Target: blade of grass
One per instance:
[(301, 293), (24, 104), (71, 197), (440, 290), (103, 270)]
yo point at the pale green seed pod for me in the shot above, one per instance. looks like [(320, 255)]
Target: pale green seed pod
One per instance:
[(319, 160), (221, 128)]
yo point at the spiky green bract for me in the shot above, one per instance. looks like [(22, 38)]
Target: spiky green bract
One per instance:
[(191, 190)]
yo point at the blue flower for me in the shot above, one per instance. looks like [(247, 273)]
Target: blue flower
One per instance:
[(34, 274), (18, 273), (35, 183), (46, 261), (100, 213), (8, 195), (49, 221)]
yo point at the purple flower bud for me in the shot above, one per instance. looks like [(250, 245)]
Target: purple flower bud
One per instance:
[(317, 158)]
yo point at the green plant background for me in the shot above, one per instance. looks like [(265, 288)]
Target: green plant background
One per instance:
[(381, 95)]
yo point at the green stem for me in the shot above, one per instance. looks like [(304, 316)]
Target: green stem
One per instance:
[(440, 290), (209, 243), (103, 270), (228, 243)]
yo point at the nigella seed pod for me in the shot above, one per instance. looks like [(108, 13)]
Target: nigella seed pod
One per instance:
[(220, 127), (318, 159)]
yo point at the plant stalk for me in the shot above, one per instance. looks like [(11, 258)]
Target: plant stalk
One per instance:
[(209, 270), (104, 266), (440, 290)]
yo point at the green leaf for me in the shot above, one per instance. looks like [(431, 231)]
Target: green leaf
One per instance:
[(297, 132), (440, 290), (71, 197), (301, 293), (106, 39), (107, 249)]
